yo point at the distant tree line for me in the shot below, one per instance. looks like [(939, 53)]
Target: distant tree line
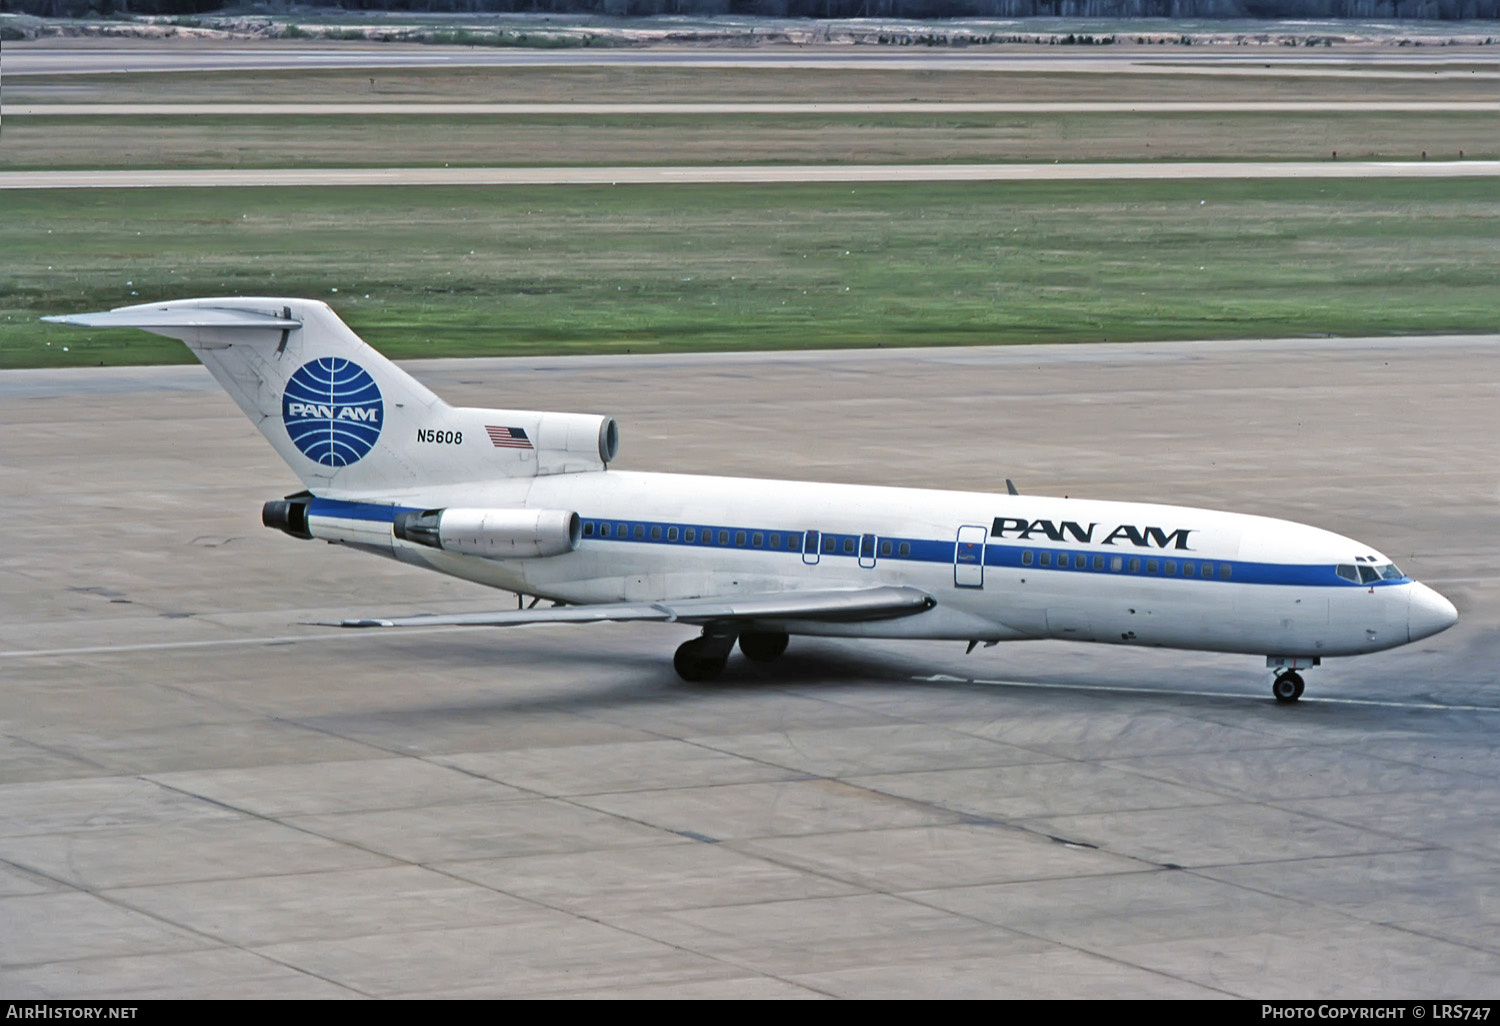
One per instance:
[(95, 8), (1436, 10)]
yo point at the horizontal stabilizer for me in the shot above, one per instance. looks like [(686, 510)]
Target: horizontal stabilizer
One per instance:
[(175, 317), (842, 606), (347, 420)]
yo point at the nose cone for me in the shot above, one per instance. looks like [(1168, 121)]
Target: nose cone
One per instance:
[(1428, 613)]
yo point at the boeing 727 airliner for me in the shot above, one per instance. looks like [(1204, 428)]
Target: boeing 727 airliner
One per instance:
[(525, 501)]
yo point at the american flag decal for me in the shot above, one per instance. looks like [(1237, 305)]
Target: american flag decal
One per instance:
[(508, 437)]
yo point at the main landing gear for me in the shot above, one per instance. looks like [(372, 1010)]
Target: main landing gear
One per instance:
[(762, 647), (1287, 687), (704, 658)]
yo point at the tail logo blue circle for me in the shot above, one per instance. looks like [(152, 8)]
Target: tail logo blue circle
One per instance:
[(332, 410)]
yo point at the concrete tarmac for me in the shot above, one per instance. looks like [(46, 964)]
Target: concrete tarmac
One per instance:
[(201, 797)]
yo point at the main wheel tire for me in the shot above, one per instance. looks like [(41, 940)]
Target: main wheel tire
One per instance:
[(762, 648), (1288, 686), (693, 662)]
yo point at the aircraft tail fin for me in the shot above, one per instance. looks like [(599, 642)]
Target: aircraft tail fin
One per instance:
[(346, 419)]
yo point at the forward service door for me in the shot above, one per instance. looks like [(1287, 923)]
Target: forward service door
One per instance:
[(968, 557)]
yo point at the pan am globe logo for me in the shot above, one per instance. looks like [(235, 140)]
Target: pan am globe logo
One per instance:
[(332, 411)]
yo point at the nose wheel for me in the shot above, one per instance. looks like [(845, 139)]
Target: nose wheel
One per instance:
[(1287, 687)]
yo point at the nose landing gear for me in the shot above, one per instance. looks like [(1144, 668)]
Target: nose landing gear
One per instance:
[(1287, 687)]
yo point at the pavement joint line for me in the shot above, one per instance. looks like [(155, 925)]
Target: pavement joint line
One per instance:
[(63, 886), (1043, 756), (1168, 693), (315, 728), (1199, 871), (1403, 927), (60, 752), (1320, 857), (1017, 824), (1413, 844), (1357, 749), (1081, 949), (398, 860), (1152, 866), (598, 920), (108, 897)]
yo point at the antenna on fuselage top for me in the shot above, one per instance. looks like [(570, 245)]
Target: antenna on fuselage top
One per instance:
[(1010, 486)]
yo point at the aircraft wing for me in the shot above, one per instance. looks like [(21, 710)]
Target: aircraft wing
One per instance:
[(832, 606)]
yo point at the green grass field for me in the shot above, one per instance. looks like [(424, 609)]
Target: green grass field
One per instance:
[(494, 271)]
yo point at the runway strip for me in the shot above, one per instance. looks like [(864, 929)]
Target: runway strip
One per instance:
[(32, 59), (901, 107), (753, 174)]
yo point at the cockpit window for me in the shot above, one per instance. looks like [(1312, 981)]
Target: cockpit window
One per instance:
[(1369, 573)]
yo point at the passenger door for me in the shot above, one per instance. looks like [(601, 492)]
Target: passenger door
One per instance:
[(968, 557)]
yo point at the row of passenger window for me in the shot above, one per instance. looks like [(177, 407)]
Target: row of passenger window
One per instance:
[(1119, 564), (810, 541), (849, 545)]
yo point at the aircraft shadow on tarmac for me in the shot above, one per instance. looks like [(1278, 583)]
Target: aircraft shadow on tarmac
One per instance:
[(641, 680)]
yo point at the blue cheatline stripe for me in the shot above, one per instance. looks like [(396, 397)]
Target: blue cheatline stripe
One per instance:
[(908, 550), (926, 550)]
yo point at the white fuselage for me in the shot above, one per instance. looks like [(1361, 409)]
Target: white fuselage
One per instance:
[(1001, 567), (391, 468)]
